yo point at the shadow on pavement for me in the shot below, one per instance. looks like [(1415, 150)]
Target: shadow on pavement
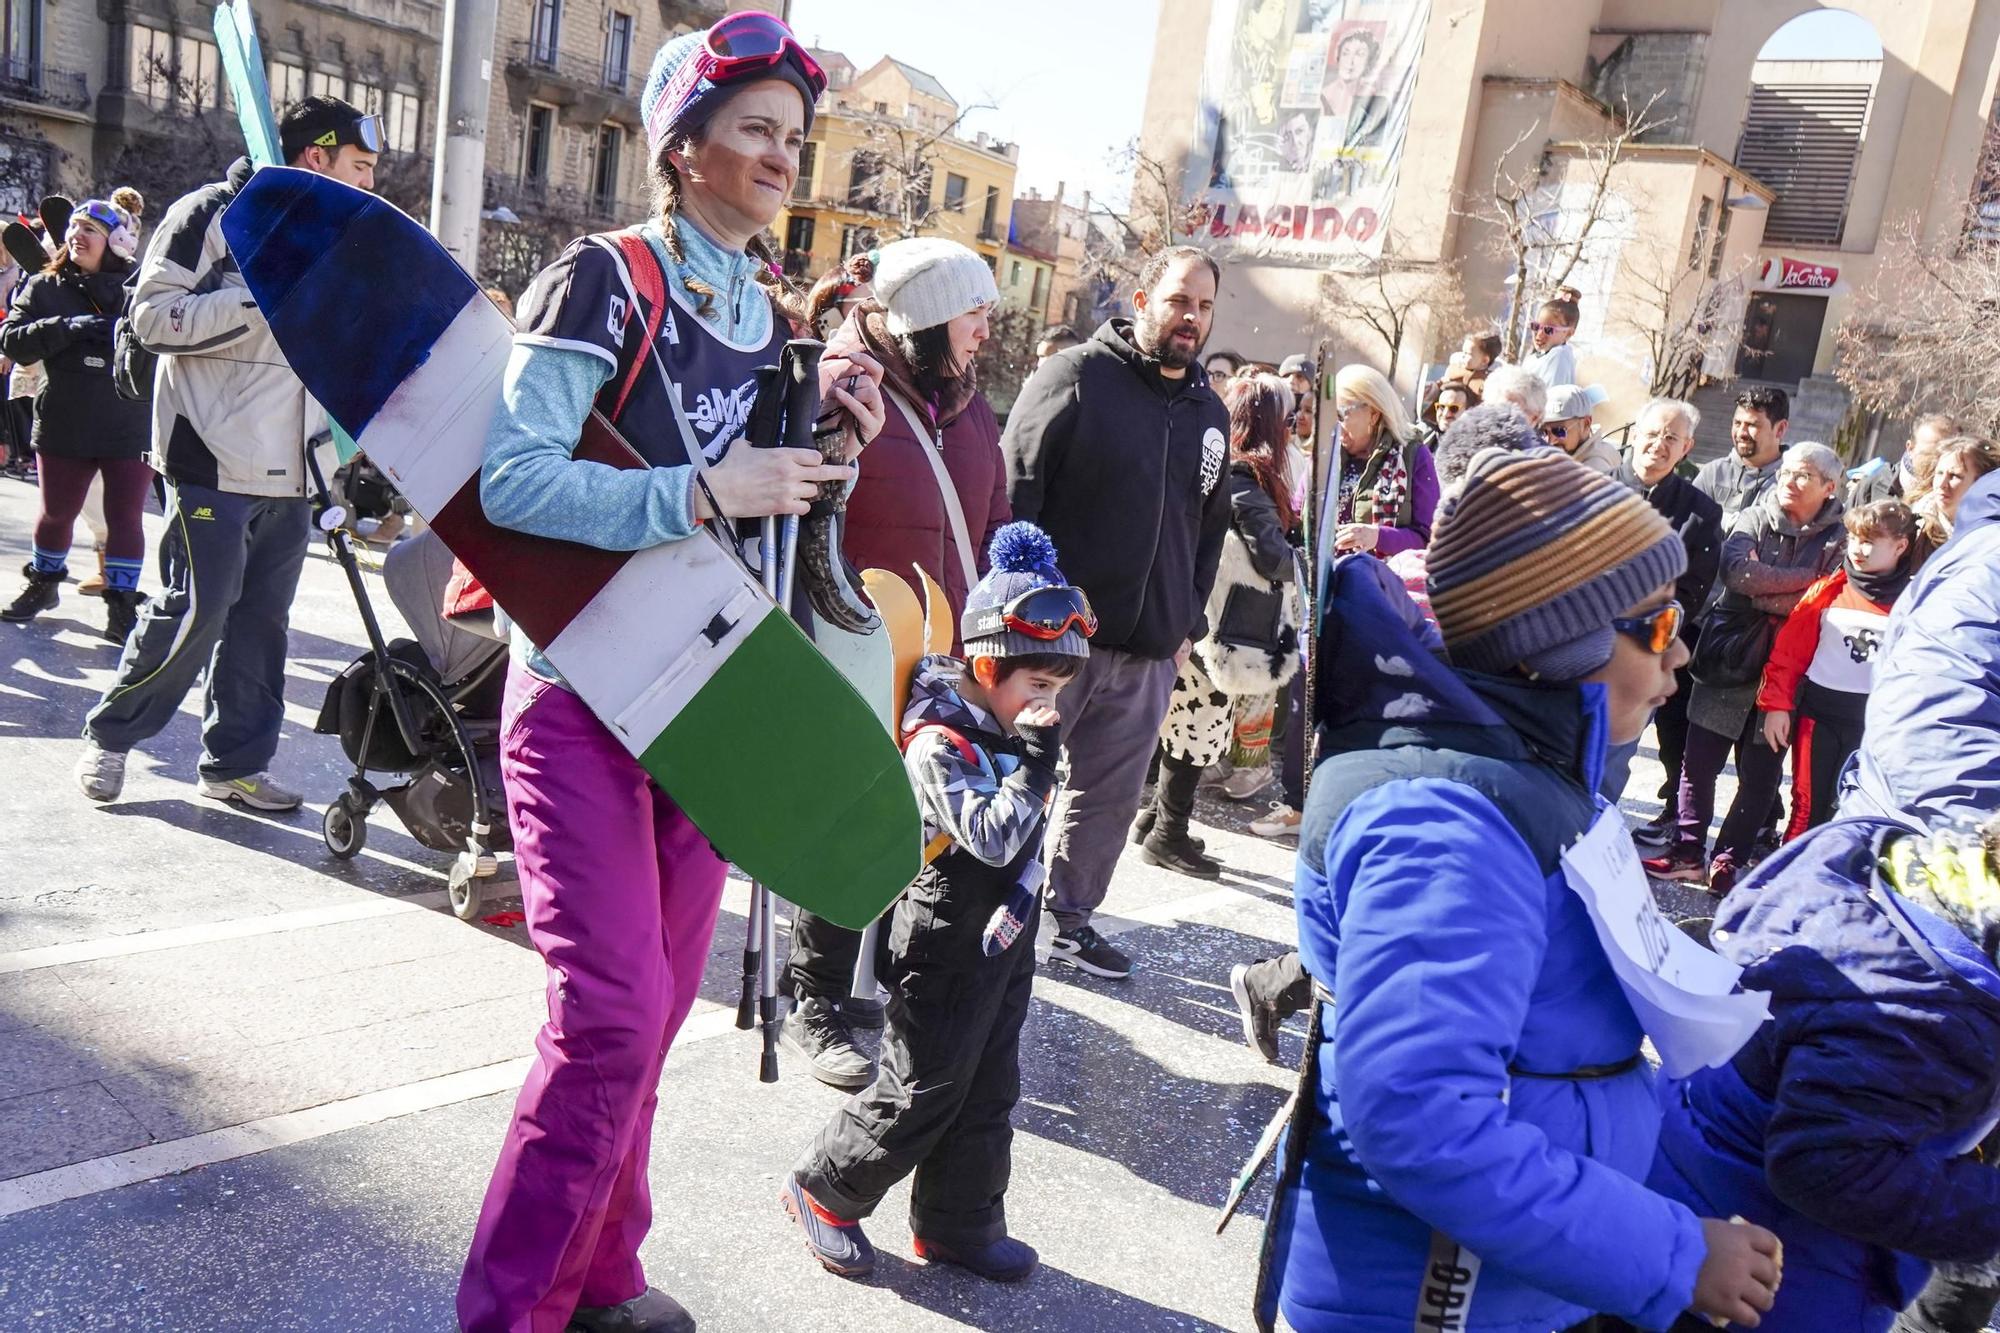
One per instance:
[(943, 1290)]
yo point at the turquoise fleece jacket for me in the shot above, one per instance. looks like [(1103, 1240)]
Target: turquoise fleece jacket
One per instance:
[(528, 479)]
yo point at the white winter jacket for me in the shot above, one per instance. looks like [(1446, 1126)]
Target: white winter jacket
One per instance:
[(228, 413)]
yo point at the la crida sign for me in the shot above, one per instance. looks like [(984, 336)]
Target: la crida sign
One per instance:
[(1784, 274), (1303, 109)]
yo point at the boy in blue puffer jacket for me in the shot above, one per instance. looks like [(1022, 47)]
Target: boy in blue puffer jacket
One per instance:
[(1470, 1153)]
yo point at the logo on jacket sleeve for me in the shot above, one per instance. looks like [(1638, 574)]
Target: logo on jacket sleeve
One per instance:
[(1451, 1274), (1213, 450)]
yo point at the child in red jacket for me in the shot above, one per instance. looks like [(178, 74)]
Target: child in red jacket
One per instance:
[(1824, 658)]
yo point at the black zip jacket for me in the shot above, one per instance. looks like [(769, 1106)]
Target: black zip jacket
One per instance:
[(63, 320), (1698, 519), (1124, 469)]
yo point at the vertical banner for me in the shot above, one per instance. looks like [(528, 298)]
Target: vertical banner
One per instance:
[(1304, 105)]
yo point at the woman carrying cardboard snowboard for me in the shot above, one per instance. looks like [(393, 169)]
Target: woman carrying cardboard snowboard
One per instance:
[(619, 888)]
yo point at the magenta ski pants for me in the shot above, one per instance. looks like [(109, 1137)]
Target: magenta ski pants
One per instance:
[(621, 893)]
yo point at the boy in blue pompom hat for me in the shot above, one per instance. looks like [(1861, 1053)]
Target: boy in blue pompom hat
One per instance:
[(980, 742)]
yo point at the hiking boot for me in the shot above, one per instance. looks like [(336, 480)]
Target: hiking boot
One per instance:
[(870, 1014), (36, 596), (1005, 1260), (836, 1242), (1087, 951), (1245, 783), (100, 772), (258, 792), (651, 1311), (121, 614), (817, 1031), (1143, 825), (1682, 862), (93, 584), (1178, 854), (1281, 822), (1656, 834), (1722, 874), (1260, 1018)]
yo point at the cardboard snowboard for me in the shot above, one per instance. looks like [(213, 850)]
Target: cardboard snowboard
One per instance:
[(677, 649)]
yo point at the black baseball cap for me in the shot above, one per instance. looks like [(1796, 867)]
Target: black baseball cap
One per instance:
[(327, 122)]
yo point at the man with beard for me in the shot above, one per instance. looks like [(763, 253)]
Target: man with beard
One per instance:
[(1738, 479), (1118, 449)]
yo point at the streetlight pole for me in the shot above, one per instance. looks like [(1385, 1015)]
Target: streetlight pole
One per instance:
[(465, 75)]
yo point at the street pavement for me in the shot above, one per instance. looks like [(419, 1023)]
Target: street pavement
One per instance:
[(248, 1086)]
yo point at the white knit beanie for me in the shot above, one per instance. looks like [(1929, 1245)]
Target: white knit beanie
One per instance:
[(927, 281)]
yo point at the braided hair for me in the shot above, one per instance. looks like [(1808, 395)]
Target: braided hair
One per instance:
[(770, 275)]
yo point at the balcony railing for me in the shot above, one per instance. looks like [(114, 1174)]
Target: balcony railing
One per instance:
[(530, 54), (32, 82), (528, 197)]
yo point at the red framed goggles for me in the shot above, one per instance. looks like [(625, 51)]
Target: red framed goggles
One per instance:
[(750, 42), (1040, 613)]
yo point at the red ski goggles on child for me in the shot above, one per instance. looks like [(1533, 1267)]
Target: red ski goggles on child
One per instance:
[(1040, 613), (751, 42)]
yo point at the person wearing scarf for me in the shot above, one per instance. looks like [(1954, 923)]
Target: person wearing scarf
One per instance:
[(1386, 491), (1822, 663), (924, 321)]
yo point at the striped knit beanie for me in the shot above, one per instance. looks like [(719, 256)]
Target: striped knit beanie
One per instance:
[(1533, 558)]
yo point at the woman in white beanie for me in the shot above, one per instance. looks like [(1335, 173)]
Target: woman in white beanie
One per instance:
[(932, 490)]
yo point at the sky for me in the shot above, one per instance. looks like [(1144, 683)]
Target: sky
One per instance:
[(1066, 78), (1825, 34)]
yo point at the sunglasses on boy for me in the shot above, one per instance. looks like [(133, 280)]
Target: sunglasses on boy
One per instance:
[(1040, 613), (748, 42), (1656, 630)]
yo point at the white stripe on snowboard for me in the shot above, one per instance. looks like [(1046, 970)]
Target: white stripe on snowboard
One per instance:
[(639, 651), (433, 428)]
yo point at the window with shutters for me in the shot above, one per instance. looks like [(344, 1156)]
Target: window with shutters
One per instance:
[(1803, 140), (808, 160)]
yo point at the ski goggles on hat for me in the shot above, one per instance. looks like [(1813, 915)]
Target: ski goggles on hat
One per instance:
[(1656, 630), (105, 214), (1040, 613), (364, 132), (751, 42)]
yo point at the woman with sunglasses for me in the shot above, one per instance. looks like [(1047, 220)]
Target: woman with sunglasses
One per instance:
[(1476, 1158), (83, 430), (620, 889), (1387, 487)]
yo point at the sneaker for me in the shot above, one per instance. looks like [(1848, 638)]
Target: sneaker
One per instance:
[(1682, 862), (1722, 873), (1282, 822), (817, 1031), (836, 1242), (100, 772), (1087, 951), (1179, 854), (37, 595), (1656, 834), (1143, 825), (1215, 775), (1005, 1260), (258, 791), (1260, 1020), (651, 1311), (1245, 783)]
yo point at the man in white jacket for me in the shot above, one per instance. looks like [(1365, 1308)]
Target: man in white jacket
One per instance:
[(231, 424)]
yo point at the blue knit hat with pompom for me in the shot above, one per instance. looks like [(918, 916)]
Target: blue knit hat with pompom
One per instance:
[(1022, 558)]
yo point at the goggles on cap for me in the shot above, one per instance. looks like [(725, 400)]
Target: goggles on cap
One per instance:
[(749, 42), (106, 215), (364, 132), (1040, 613), (1656, 630)]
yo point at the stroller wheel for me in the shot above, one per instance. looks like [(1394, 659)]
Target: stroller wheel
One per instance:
[(463, 887), (346, 833)]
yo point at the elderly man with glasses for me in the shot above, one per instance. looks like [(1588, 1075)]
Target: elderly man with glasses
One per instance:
[(1662, 438)]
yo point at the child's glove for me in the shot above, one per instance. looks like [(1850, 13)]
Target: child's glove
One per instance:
[(1040, 745), (1012, 916)]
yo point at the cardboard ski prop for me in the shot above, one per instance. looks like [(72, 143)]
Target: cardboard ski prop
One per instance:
[(677, 649)]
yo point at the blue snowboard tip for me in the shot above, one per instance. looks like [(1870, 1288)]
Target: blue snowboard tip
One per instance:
[(317, 256)]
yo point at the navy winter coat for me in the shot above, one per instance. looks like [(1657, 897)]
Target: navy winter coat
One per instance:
[(1931, 751), (1843, 1124), (1457, 1161)]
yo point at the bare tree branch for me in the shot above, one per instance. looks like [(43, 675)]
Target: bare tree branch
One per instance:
[(1385, 296)]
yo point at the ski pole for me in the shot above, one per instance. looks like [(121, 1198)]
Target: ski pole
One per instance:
[(753, 966)]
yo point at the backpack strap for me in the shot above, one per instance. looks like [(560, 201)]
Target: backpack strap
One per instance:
[(649, 283), (940, 844)]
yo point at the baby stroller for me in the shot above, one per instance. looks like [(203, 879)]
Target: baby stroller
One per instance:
[(423, 710)]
